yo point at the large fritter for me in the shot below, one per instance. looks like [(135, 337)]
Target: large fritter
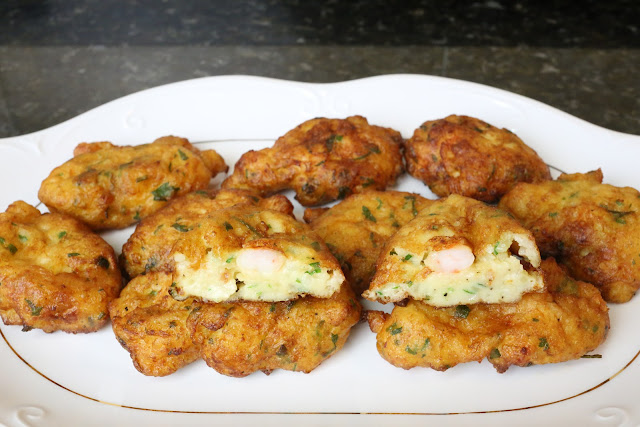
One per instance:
[(239, 338), (323, 160), (567, 321), (151, 325), (108, 186), (55, 274), (247, 253), (590, 227), (149, 246), (464, 155), (457, 251), (356, 229)]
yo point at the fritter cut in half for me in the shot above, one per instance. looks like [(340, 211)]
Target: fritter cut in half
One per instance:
[(323, 160), (563, 323), (464, 155), (591, 228), (458, 251), (356, 229), (55, 273), (108, 186), (149, 246), (246, 253)]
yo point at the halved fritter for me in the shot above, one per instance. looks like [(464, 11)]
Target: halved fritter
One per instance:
[(239, 338), (247, 253), (55, 273), (567, 321), (457, 251), (591, 228), (149, 246), (464, 155), (356, 229), (108, 186), (323, 160), (151, 325)]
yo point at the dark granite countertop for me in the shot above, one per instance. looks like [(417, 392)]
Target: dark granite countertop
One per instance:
[(60, 58)]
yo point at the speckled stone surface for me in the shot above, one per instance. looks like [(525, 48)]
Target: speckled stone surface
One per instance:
[(59, 58)]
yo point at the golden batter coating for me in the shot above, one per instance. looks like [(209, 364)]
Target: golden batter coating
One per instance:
[(55, 273), (108, 186), (149, 246), (297, 335), (251, 254), (464, 155), (564, 323), (151, 325), (356, 229), (591, 228), (323, 160), (455, 251)]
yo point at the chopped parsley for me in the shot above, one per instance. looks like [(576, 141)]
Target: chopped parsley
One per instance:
[(394, 329), (164, 192), (72, 254), (181, 228), (182, 155), (495, 353), (35, 310), (367, 214), (462, 311), (315, 268), (543, 344)]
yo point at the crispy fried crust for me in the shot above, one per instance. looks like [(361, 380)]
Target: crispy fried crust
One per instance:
[(357, 228), (323, 160), (464, 155), (564, 323), (240, 338), (108, 186), (149, 246), (590, 227), (55, 274), (404, 269), (151, 325)]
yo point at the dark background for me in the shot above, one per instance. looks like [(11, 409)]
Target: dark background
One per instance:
[(60, 58)]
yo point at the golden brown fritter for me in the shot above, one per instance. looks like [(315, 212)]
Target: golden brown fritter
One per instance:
[(464, 155), (151, 325), (455, 251), (149, 246), (323, 160), (564, 323), (297, 335), (590, 227), (55, 273), (356, 229), (248, 253), (108, 186)]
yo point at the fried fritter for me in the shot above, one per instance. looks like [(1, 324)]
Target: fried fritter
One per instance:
[(567, 321), (356, 229), (457, 251), (464, 155), (55, 273), (151, 325), (590, 227), (149, 246), (297, 335), (247, 253), (108, 186), (323, 160)]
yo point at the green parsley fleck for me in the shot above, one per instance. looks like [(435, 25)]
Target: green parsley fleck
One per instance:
[(462, 311), (181, 228), (543, 344), (394, 329), (367, 214), (35, 310), (164, 192), (495, 353), (315, 268), (72, 254), (182, 155), (62, 234)]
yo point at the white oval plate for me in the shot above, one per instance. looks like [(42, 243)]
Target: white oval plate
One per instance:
[(61, 379)]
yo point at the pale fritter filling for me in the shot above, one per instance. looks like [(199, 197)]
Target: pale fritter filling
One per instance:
[(454, 275), (256, 274)]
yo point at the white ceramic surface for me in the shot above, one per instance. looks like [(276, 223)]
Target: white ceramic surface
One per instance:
[(61, 379)]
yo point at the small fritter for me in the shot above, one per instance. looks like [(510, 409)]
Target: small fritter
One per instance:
[(108, 186), (151, 325), (590, 227), (55, 273), (464, 155), (297, 335), (457, 251), (251, 254), (356, 229), (149, 246), (564, 323), (323, 160)]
